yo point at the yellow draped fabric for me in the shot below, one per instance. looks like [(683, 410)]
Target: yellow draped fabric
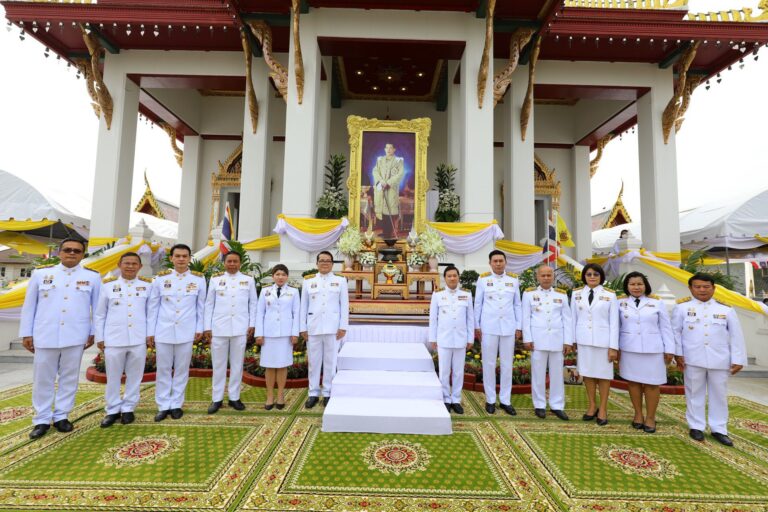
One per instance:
[(763, 239), (207, 260), (262, 244), (22, 243), (460, 228), (517, 247), (707, 259), (670, 256), (103, 264), (14, 298), (722, 294), (99, 241), (311, 226), (24, 225), (600, 260)]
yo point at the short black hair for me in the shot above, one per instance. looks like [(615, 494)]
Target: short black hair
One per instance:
[(593, 266), (317, 259), (449, 268), (180, 246), (640, 275), (624, 231), (239, 257), (128, 255), (496, 252), (76, 240), (278, 268), (701, 276)]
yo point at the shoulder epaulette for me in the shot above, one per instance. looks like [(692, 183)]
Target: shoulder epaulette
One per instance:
[(46, 266), (109, 279), (621, 296), (654, 296), (196, 273), (723, 303), (579, 288), (609, 290), (684, 299), (485, 274), (145, 279), (309, 276), (217, 274), (531, 289), (439, 289), (164, 272), (466, 290), (511, 274), (86, 268), (561, 291)]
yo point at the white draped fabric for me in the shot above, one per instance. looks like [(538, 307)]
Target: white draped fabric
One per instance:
[(311, 242), (467, 243), (387, 333), (519, 263), (10, 315)]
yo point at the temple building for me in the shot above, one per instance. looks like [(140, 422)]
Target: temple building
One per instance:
[(616, 216)]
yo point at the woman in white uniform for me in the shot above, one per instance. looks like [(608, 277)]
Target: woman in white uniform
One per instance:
[(277, 331), (646, 347), (595, 314)]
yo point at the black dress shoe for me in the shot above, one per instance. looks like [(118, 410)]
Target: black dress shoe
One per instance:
[(696, 435), (508, 409), (457, 408), (279, 407), (236, 405), (602, 422), (268, 407), (589, 417), (490, 408), (540, 413), (161, 415), (638, 426), (448, 406), (63, 425), (326, 399), (214, 407), (649, 430), (177, 413), (39, 431), (722, 439), (311, 402), (127, 417), (560, 414), (109, 420)]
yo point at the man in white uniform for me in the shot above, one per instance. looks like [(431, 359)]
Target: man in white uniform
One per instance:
[(498, 323), (709, 347), (121, 332), (451, 323), (324, 319), (174, 322), (56, 327), (230, 317), (548, 331)]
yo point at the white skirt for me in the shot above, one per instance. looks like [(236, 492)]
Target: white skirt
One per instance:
[(643, 368), (593, 362), (276, 352)]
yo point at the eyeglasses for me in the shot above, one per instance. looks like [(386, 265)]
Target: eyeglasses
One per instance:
[(592, 274), (72, 250), (325, 261)]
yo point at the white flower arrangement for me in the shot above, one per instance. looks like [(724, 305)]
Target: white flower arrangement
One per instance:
[(432, 243), (367, 258), (350, 241), (416, 259)]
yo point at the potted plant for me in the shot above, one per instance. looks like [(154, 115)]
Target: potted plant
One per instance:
[(432, 246), (333, 203), (448, 200), (415, 261), (349, 245), (367, 259)]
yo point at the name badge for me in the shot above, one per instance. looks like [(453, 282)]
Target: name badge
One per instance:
[(463, 297), (721, 317), (509, 284), (243, 283), (605, 298), (651, 305), (334, 284), (83, 283), (557, 301), (191, 287), (578, 297), (141, 288)]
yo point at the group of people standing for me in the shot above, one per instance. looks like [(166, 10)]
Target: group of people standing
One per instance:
[(633, 329)]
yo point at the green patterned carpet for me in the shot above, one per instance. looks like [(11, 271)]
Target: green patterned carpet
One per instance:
[(260, 460)]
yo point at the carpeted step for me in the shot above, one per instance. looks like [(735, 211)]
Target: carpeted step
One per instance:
[(387, 384), (407, 357), (386, 416)]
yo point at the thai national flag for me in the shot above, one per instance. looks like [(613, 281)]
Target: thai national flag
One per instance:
[(226, 232), (550, 244)]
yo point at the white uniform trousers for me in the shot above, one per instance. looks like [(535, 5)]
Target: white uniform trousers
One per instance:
[(540, 359), (451, 370), (51, 403), (172, 374), (700, 382), (503, 347), (323, 352), (225, 348), (128, 360)]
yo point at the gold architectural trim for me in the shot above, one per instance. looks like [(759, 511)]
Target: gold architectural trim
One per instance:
[(149, 198), (545, 181), (628, 4), (734, 15), (430, 96), (691, 83), (482, 73), (389, 307), (253, 105), (298, 61), (94, 81), (421, 127), (278, 72), (671, 111), (228, 175), (595, 162), (525, 113), (178, 153), (618, 208), (503, 78), (84, 67)]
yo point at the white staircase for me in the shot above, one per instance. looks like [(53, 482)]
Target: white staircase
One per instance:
[(388, 388)]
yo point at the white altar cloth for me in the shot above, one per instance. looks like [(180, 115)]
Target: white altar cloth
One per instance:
[(387, 333)]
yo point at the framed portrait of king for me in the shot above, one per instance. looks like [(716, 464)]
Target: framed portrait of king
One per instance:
[(388, 175)]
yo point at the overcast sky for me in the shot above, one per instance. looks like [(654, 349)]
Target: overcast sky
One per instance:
[(48, 134)]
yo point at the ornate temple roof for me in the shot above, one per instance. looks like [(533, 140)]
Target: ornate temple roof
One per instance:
[(616, 216), (155, 207)]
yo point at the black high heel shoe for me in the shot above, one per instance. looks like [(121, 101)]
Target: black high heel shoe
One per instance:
[(589, 417), (602, 422)]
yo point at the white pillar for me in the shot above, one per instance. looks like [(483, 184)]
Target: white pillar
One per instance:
[(581, 200), (455, 119), (301, 140), (110, 213), (659, 209), (477, 162), (254, 182), (519, 200), (190, 175), (323, 130)]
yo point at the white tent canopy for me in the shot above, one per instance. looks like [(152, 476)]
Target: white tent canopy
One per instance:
[(732, 223)]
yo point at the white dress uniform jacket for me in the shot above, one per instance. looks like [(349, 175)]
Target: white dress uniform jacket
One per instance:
[(497, 304), (176, 306), (58, 305), (646, 328), (121, 314), (596, 325), (230, 307), (451, 319), (278, 317), (324, 304), (547, 321)]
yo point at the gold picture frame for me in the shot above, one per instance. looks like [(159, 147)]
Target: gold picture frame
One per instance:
[(359, 149)]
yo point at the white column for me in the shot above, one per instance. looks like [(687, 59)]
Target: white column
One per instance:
[(110, 213), (519, 192), (581, 200), (190, 175), (455, 119), (659, 209), (301, 140), (323, 130), (477, 162), (254, 181)]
